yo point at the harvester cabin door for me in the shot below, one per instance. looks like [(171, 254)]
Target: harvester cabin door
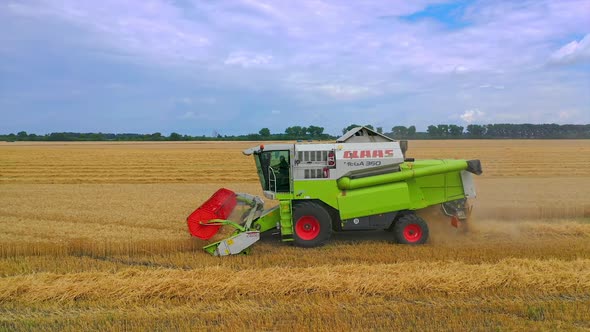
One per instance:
[(276, 166)]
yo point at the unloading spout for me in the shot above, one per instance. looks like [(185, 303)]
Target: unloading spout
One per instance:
[(443, 166)]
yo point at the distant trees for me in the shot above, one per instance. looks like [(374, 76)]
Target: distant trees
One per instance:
[(445, 131), (264, 132), (455, 131), (507, 130), (440, 131), (58, 137), (156, 137), (315, 131), (304, 132), (400, 132), (71, 136), (296, 131), (175, 137), (476, 131)]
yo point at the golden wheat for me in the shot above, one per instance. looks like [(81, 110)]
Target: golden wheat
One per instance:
[(515, 277), (206, 162), (92, 236)]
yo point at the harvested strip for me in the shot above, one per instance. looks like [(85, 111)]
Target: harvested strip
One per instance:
[(517, 277)]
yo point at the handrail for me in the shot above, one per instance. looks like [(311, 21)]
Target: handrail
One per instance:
[(272, 179)]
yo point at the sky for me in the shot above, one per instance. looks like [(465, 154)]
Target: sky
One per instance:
[(236, 66)]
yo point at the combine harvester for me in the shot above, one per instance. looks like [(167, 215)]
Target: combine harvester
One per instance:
[(361, 182)]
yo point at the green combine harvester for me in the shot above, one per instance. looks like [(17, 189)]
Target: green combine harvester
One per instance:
[(361, 182)]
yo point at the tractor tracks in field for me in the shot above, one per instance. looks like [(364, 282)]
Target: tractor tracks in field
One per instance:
[(134, 263)]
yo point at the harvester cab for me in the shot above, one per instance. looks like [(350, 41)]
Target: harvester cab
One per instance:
[(362, 181)]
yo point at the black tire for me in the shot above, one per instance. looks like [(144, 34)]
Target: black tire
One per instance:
[(410, 229), (312, 224)]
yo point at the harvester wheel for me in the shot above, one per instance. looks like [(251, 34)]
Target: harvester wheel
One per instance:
[(410, 229), (312, 224)]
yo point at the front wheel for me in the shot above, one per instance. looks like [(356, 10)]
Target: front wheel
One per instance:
[(312, 224), (410, 229)]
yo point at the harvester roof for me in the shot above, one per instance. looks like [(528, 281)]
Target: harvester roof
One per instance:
[(363, 135)]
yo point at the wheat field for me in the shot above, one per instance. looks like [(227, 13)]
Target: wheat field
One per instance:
[(93, 237)]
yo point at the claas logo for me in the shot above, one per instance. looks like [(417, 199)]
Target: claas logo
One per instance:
[(361, 154)]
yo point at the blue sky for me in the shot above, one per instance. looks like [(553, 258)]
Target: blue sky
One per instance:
[(233, 67)]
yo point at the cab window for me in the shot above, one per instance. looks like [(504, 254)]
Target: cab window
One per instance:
[(275, 167)]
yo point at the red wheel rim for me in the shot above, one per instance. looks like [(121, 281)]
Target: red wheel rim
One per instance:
[(307, 228), (413, 233)]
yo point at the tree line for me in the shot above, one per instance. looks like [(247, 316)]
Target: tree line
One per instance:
[(441, 131), (508, 130), (291, 133)]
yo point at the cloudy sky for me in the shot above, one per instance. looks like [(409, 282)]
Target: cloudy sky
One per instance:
[(235, 66)]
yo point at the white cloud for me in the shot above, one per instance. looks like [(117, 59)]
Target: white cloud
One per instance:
[(567, 115), (328, 34), (489, 86), (207, 100), (189, 115), (343, 91), (155, 30), (324, 56), (248, 60), (573, 51), (185, 100), (461, 69), (471, 116), (192, 115)]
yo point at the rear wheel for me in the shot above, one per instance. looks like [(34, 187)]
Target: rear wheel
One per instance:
[(312, 224), (410, 229)]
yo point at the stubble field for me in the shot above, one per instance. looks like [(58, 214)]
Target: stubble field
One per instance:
[(92, 236)]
